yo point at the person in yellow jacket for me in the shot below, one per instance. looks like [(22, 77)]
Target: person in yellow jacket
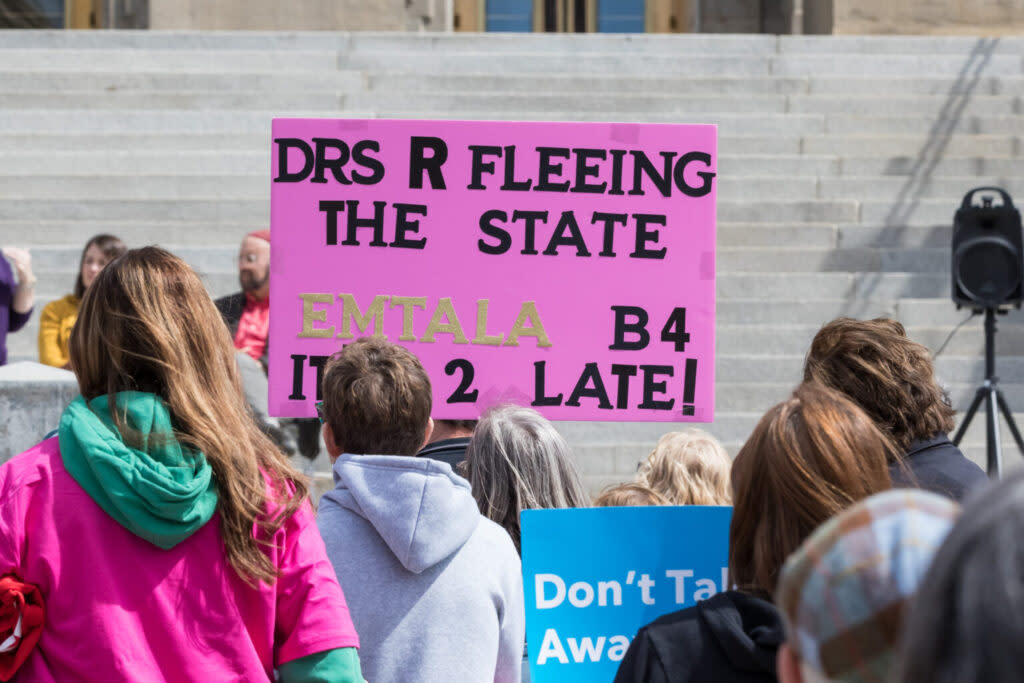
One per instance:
[(58, 317)]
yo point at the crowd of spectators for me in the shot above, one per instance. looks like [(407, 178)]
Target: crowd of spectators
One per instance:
[(849, 558)]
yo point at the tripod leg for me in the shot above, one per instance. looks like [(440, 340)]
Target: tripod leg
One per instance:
[(1009, 420), (993, 450), (978, 397)]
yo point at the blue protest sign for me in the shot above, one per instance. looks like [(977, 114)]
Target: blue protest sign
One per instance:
[(592, 577)]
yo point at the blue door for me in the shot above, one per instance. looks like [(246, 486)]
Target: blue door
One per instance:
[(621, 16), (509, 15)]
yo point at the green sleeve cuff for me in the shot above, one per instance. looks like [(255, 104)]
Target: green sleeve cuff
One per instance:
[(340, 665)]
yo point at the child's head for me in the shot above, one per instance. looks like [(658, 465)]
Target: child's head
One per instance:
[(629, 495), (688, 468)]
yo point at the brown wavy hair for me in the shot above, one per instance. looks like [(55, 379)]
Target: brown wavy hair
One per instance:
[(147, 324), (888, 375), (809, 458)]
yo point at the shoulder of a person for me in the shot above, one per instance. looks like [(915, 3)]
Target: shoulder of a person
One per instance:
[(28, 469), (226, 303), (494, 535), (61, 307)]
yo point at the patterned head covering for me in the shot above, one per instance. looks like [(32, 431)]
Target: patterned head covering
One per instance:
[(843, 592)]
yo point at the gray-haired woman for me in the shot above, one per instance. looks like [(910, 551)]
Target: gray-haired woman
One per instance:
[(518, 461)]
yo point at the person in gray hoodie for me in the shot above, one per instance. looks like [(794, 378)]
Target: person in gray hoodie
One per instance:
[(434, 589)]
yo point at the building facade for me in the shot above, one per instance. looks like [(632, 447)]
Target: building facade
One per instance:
[(977, 17)]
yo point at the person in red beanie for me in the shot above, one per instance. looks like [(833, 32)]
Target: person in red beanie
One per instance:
[(247, 315)]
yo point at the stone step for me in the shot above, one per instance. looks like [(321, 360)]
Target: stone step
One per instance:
[(207, 258), (242, 210), (781, 339), (893, 190), (179, 80), (371, 41), (569, 62), (525, 84), (886, 64), (136, 187), (887, 146), (540, 101), (925, 163), (911, 210), (903, 105), (325, 100), (852, 286), (937, 126), (807, 235), (222, 61), (946, 85), (74, 233), (963, 46), (72, 144), (792, 259), (26, 121), (528, 84), (175, 79), (942, 311), (864, 235)]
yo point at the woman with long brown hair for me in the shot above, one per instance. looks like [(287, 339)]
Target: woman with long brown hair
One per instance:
[(809, 458), (57, 318), (168, 537)]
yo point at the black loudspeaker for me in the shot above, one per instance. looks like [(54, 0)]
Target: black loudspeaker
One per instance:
[(988, 254)]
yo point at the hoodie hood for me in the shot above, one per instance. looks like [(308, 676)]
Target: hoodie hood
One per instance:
[(422, 510), (748, 629), (156, 488)]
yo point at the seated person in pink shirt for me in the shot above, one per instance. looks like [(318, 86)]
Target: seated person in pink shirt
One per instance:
[(168, 537)]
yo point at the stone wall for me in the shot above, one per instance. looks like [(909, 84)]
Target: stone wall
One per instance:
[(970, 17), (932, 17), (32, 398), (300, 15)]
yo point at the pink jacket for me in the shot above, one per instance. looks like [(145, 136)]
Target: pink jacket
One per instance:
[(119, 608)]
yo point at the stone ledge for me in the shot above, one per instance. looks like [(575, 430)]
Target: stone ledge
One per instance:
[(32, 398)]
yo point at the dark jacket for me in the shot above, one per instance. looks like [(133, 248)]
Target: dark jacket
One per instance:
[(231, 308), (451, 451), (731, 637), (937, 465)]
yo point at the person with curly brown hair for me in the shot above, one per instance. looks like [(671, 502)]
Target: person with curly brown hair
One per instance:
[(892, 379)]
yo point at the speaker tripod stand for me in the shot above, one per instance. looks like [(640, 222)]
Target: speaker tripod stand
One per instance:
[(990, 394)]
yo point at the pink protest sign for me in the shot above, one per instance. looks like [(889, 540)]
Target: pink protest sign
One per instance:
[(565, 266)]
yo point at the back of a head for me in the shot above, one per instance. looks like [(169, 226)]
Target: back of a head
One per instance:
[(376, 398), (843, 593), (518, 461), (966, 623), (147, 324), (891, 377), (689, 467), (809, 458), (629, 495)]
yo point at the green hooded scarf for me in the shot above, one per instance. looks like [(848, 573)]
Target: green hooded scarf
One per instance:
[(156, 488)]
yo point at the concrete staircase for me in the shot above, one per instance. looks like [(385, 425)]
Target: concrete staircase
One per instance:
[(842, 161)]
